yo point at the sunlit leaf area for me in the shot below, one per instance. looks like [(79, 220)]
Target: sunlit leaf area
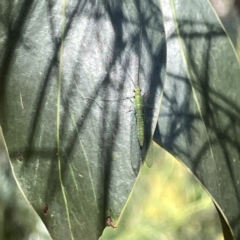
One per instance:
[(167, 203)]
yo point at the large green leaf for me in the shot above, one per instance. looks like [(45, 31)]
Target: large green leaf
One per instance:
[(68, 71), (199, 120)]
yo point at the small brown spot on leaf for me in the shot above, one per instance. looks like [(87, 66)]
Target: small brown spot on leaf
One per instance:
[(45, 210), (20, 157), (109, 222)]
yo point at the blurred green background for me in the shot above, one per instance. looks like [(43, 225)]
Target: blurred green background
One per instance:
[(167, 203)]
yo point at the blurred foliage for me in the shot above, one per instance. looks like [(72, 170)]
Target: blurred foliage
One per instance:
[(167, 203)]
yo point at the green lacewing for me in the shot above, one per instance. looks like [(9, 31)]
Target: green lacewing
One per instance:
[(138, 105), (139, 112), (139, 108)]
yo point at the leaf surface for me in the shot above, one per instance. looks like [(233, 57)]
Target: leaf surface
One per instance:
[(68, 72), (199, 121)]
